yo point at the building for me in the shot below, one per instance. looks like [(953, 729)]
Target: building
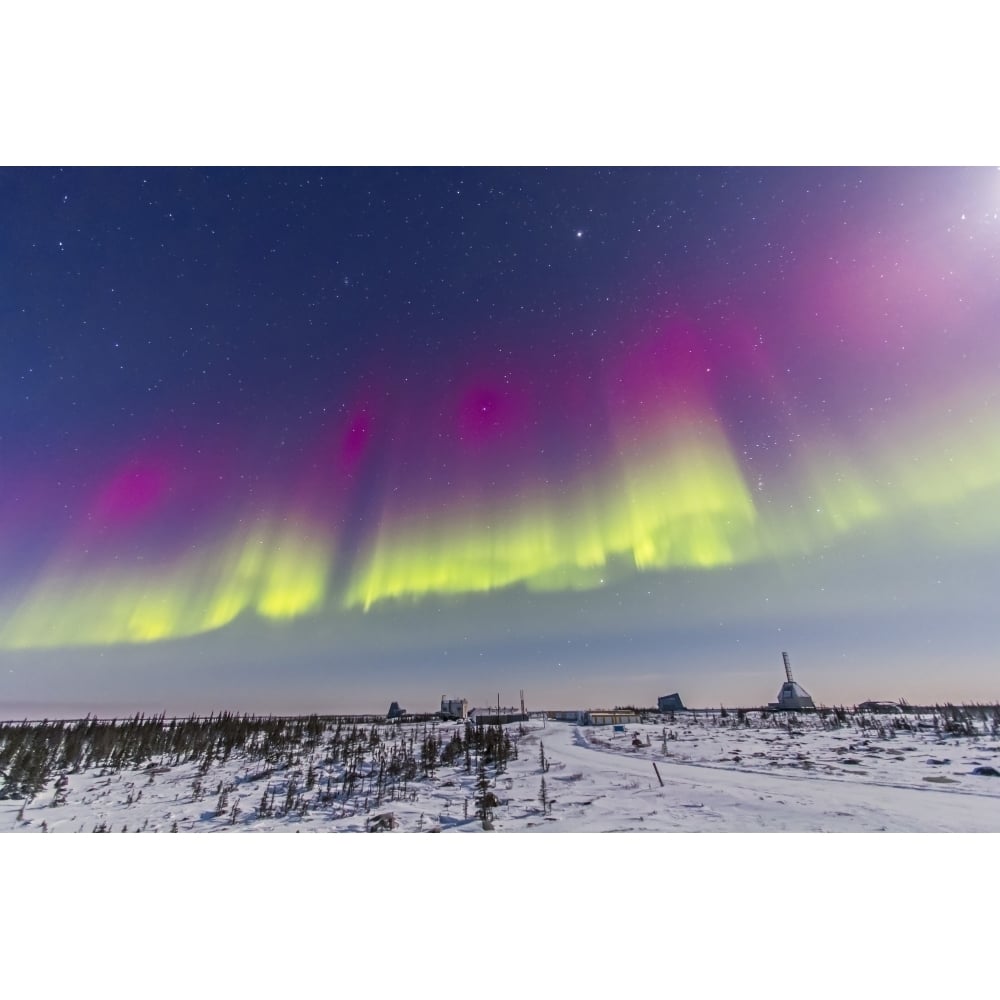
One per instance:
[(567, 715), (881, 707), (792, 697), (454, 708), (670, 703), (395, 712), (493, 717), (607, 717)]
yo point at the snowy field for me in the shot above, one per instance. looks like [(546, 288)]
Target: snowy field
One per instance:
[(719, 774)]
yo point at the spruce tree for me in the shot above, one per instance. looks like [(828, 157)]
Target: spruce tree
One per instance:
[(483, 788)]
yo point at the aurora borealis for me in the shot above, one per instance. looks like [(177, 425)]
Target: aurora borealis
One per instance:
[(290, 440)]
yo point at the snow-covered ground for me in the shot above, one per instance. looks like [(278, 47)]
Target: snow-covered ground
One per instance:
[(776, 773)]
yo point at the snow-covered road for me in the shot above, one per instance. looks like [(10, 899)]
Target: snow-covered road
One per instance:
[(619, 790)]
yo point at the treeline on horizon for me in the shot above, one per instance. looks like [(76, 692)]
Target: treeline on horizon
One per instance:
[(986, 710), (983, 710), (378, 761)]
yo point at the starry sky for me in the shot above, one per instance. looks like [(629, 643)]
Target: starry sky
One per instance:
[(291, 440)]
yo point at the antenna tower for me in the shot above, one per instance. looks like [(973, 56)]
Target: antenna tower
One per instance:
[(788, 667)]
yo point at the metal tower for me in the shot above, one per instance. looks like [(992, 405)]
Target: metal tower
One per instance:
[(788, 668)]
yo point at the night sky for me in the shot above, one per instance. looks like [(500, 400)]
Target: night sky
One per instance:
[(290, 440)]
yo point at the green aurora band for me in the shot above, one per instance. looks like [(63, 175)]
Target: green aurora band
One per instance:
[(277, 572), (676, 500), (679, 502)]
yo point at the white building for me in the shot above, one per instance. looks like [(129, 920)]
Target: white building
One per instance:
[(454, 708)]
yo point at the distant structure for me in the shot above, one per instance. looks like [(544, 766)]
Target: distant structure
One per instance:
[(454, 708), (881, 707), (670, 703), (494, 716), (395, 712), (792, 697), (604, 717), (566, 714)]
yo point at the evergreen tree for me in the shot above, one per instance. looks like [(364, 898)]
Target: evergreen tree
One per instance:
[(484, 797)]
